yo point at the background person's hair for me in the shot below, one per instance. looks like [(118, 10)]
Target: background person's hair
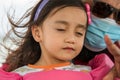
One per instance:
[(28, 51)]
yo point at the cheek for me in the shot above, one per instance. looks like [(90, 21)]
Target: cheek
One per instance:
[(80, 44), (52, 41)]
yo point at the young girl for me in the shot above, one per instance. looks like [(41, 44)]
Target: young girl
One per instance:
[(55, 35)]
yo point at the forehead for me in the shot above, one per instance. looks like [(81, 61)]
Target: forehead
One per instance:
[(114, 3), (70, 14)]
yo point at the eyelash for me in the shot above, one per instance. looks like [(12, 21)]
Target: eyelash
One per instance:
[(78, 33), (60, 29)]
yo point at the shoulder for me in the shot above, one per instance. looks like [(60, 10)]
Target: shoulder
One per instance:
[(24, 70), (101, 64), (9, 75), (101, 60)]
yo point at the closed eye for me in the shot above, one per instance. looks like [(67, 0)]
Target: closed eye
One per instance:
[(80, 34), (60, 29)]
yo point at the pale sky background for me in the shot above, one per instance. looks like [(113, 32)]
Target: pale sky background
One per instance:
[(20, 7)]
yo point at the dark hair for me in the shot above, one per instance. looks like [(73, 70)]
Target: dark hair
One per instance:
[(28, 51)]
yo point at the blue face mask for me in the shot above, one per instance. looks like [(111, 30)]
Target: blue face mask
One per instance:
[(97, 29)]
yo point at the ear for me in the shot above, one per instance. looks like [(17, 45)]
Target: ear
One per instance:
[(36, 33)]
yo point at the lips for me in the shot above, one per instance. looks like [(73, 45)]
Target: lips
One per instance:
[(69, 48)]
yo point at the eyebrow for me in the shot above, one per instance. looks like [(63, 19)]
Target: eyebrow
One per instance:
[(81, 26), (62, 22), (66, 23)]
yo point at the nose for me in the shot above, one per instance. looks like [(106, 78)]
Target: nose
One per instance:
[(70, 38)]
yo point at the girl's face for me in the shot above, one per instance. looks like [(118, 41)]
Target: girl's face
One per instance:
[(61, 36)]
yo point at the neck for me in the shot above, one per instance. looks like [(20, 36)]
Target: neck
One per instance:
[(44, 61)]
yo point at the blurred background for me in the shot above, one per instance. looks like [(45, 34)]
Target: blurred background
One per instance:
[(9, 6)]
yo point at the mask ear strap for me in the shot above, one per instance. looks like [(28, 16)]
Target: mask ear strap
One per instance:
[(88, 12)]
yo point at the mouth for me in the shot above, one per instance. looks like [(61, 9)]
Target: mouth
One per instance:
[(69, 48)]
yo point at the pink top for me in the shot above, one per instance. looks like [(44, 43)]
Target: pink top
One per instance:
[(100, 65)]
